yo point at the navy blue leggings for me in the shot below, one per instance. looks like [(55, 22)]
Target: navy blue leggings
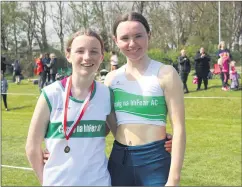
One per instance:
[(145, 165)]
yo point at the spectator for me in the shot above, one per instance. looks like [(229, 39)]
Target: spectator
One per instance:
[(222, 50), (46, 72), (184, 68), (53, 67), (224, 61), (4, 89), (234, 76), (114, 61), (16, 71), (40, 70), (3, 65), (202, 68)]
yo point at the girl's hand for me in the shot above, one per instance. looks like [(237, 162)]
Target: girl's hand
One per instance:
[(46, 155), (170, 184), (168, 143)]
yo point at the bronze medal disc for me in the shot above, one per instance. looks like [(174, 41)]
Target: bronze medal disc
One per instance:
[(67, 149)]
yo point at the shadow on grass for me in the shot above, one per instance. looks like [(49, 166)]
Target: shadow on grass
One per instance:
[(21, 83), (220, 86), (19, 107), (195, 90), (215, 86), (190, 91)]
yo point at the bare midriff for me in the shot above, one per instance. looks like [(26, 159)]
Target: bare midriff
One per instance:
[(139, 134)]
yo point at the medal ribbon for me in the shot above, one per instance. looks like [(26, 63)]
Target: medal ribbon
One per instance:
[(82, 109)]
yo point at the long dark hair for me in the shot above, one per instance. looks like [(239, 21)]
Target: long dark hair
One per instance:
[(132, 16)]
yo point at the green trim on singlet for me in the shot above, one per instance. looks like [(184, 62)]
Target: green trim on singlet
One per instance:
[(81, 101), (150, 107), (77, 100), (47, 99), (92, 128)]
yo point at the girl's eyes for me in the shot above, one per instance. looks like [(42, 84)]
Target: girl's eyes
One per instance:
[(126, 38), (82, 52)]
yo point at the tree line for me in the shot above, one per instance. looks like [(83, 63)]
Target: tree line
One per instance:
[(174, 25)]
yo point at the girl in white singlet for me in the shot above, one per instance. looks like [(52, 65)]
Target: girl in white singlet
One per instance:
[(145, 91), (70, 116)]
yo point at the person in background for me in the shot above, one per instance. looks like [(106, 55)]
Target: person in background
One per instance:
[(3, 65), (222, 50), (4, 89), (225, 70), (46, 72), (114, 61), (234, 76), (40, 69), (184, 68), (53, 67), (16, 71), (202, 68)]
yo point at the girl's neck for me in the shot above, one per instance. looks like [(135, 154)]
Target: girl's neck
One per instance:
[(81, 86), (139, 66)]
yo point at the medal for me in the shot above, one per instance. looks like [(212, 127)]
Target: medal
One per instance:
[(78, 117), (67, 149)]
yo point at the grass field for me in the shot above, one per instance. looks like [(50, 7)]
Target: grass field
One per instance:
[(213, 153)]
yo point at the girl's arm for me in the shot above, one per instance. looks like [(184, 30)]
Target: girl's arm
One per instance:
[(174, 96), (111, 119), (112, 123), (37, 130)]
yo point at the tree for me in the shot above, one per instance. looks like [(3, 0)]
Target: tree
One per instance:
[(113, 10), (11, 25), (139, 6), (29, 22), (232, 23), (99, 12), (58, 19), (161, 26), (182, 14), (5, 25), (40, 29), (80, 17)]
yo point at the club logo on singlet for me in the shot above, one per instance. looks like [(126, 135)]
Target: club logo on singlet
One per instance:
[(149, 107), (86, 128)]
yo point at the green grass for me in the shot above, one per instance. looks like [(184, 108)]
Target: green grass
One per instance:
[(213, 153)]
